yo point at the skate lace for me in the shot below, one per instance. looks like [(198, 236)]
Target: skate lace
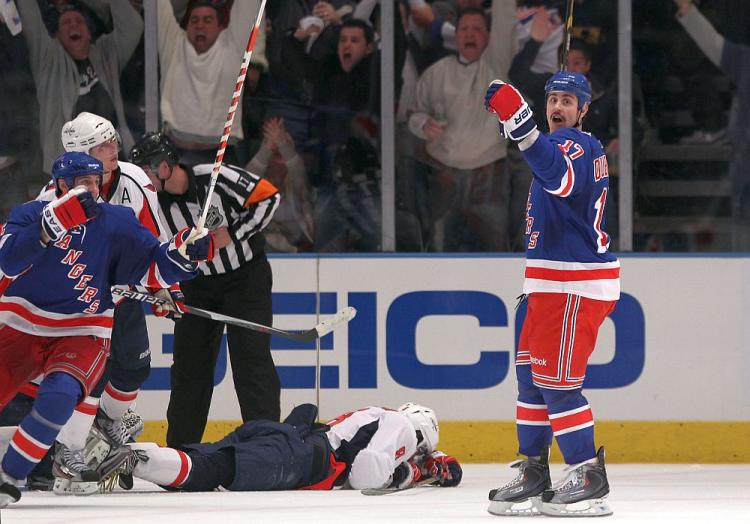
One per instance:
[(521, 465), (117, 431), (73, 460), (573, 479)]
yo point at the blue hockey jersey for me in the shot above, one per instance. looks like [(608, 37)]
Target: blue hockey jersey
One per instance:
[(567, 249), (64, 288)]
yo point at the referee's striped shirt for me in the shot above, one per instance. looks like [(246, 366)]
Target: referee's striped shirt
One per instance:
[(241, 201)]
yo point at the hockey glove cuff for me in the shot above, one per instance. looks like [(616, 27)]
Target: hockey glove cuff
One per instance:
[(189, 247), (74, 208), (405, 476), (511, 109), (443, 468), (175, 299)]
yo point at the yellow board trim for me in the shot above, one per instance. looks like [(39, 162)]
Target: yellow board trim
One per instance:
[(626, 441)]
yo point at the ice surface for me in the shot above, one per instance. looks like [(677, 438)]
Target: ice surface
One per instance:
[(663, 494)]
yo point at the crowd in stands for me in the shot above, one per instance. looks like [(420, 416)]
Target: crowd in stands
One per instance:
[(310, 115)]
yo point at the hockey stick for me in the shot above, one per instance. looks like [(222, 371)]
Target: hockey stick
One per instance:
[(320, 329), (566, 34), (429, 482), (230, 115)]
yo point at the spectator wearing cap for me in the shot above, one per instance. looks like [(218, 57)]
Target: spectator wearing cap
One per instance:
[(73, 73), (199, 67)]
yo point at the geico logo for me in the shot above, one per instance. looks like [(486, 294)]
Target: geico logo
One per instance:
[(388, 332)]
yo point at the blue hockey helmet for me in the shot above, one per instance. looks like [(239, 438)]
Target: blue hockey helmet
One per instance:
[(569, 82), (73, 164)]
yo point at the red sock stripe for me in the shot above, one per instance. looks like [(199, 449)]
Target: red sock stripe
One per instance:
[(122, 396), (87, 408), (29, 389), (526, 414), (570, 419), (184, 469), (30, 448)]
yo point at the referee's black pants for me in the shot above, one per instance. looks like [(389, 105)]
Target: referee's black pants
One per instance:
[(244, 293)]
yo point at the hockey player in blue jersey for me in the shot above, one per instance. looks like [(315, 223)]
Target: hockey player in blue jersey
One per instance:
[(58, 261), (572, 282)]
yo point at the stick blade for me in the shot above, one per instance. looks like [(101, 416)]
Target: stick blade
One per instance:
[(342, 317)]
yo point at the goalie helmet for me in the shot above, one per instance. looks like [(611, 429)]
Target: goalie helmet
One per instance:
[(87, 130), (425, 424), (71, 165), (569, 82), (151, 149)]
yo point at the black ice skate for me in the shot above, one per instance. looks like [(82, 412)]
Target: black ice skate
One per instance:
[(9, 492), (120, 463), (582, 493), (73, 476), (121, 431), (521, 496)]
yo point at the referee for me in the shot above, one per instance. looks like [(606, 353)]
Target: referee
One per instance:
[(237, 283)]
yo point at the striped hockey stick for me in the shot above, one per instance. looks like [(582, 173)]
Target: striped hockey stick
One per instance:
[(319, 330), (230, 115)]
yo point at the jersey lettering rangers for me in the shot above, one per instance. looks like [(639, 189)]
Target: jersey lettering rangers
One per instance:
[(567, 249), (129, 186), (63, 288)]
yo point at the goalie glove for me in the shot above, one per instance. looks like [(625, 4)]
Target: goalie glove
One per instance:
[(74, 208), (515, 115), (190, 246), (175, 299), (405, 476), (443, 468)]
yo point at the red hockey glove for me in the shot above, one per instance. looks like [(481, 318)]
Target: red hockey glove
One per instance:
[(175, 306), (405, 476), (514, 113), (74, 208), (191, 245), (443, 468)]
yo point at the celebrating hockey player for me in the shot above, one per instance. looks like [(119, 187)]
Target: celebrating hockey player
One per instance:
[(572, 283), (58, 261), (368, 448), (129, 364)]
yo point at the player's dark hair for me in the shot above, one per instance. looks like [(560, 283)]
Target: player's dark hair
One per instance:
[(474, 11), (362, 24), (203, 3), (583, 47)]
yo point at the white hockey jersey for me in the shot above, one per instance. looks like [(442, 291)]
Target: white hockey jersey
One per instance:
[(379, 439)]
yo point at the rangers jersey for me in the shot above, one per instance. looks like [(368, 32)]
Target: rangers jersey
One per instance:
[(374, 441), (567, 249), (129, 186), (64, 288)]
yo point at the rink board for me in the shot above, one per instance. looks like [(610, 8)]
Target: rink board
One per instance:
[(667, 381)]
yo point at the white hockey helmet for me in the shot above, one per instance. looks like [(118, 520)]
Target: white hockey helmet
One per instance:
[(86, 131), (425, 424)]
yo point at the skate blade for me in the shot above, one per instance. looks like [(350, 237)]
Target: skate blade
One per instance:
[(68, 487), (584, 508), (526, 508)]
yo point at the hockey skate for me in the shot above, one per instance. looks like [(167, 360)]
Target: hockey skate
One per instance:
[(73, 475), (119, 463), (9, 491), (521, 496), (121, 431), (118, 433), (581, 493)]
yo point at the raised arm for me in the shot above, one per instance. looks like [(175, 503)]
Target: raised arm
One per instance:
[(35, 32)]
